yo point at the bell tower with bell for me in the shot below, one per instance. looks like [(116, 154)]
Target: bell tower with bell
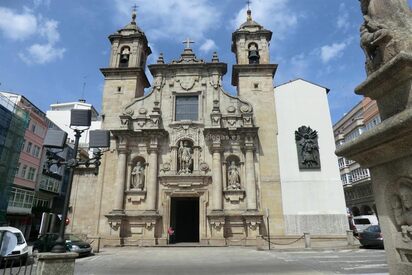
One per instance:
[(253, 77), (125, 78)]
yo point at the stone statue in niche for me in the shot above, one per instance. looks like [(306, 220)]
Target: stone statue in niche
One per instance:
[(307, 148), (137, 179), (386, 31), (233, 177), (402, 209), (185, 157)]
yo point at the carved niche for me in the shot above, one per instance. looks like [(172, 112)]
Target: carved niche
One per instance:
[(307, 148), (137, 175)]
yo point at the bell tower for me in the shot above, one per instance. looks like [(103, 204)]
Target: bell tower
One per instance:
[(125, 78), (253, 77)]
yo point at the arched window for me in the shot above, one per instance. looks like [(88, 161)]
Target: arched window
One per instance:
[(253, 53), (124, 57)]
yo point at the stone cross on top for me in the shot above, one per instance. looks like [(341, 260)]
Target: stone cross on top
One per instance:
[(248, 2), (187, 42)]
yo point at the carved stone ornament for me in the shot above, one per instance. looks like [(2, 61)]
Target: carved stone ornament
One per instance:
[(142, 111), (187, 82), (234, 196), (204, 167), (307, 148), (115, 225), (401, 205), (386, 31)]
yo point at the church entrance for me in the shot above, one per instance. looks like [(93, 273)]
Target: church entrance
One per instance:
[(184, 219)]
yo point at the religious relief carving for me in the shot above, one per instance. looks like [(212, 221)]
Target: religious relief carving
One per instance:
[(307, 148), (185, 158), (386, 31), (137, 178), (401, 204)]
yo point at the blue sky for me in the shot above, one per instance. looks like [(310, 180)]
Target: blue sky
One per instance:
[(50, 48)]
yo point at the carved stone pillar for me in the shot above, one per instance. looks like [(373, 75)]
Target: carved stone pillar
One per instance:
[(173, 163), (217, 177), (152, 175), (250, 174), (196, 152), (120, 178)]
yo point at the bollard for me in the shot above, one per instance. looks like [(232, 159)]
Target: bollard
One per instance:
[(97, 245), (349, 236), (307, 240)]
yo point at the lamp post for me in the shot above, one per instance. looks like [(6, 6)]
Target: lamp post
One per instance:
[(80, 121)]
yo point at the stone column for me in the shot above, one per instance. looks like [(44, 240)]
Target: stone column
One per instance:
[(386, 149), (152, 176), (217, 177), (120, 179), (250, 175)]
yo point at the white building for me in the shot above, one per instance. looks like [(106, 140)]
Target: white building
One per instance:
[(60, 115), (312, 199)]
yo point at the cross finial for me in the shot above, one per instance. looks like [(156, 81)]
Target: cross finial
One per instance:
[(249, 12), (187, 42), (248, 2), (134, 8)]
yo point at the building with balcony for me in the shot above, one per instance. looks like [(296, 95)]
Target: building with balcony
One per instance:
[(355, 179), (22, 194), (13, 124)]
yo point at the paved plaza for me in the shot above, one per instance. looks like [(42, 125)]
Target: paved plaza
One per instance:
[(232, 260)]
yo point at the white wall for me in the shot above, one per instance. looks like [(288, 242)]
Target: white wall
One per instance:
[(60, 115), (307, 192)]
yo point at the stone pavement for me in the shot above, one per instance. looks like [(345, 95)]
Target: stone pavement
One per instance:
[(232, 260)]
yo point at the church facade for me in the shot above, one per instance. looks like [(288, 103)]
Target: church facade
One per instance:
[(187, 158)]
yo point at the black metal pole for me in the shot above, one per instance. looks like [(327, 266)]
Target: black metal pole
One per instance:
[(60, 246), (267, 219)]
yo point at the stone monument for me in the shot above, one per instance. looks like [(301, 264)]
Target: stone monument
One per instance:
[(386, 38)]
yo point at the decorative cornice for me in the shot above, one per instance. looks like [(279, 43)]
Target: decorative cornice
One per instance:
[(252, 68), (131, 72)]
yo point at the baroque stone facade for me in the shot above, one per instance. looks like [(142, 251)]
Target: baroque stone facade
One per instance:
[(187, 157)]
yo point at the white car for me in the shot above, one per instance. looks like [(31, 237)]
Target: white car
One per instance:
[(21, 251), (364, 221)]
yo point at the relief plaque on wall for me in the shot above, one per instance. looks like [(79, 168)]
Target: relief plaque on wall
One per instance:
[(307, 148)]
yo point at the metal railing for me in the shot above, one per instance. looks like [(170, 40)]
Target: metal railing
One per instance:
[(18, 265)]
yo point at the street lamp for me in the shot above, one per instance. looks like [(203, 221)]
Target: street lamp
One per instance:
[(80, 121)]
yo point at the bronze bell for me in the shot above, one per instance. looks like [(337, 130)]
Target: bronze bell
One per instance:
[(254, 57), (124, 58)]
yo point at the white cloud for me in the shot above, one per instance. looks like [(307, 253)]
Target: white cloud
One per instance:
[(173, 19), (273, 15), (208, 45), (42, 53), (26, 25), (16, 26), (38, 3), (329, 52), (342, 21)]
